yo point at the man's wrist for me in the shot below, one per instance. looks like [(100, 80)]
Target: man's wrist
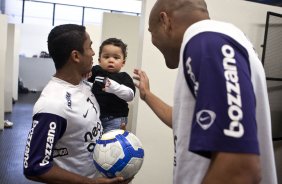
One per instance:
[(145, 97)]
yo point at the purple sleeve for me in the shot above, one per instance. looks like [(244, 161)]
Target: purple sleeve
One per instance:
[(217, 71), (45, 131)]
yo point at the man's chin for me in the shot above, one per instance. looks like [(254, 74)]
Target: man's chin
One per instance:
[(171, 64)]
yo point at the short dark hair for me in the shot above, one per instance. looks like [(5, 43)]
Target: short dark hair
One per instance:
[(62, 40), (116, 42)]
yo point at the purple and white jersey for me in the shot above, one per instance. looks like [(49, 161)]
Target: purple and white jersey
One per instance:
[(220, 102), (65, 128)]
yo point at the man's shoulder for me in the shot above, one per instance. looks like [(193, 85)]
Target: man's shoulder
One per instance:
[(53, 99), (50, 103)]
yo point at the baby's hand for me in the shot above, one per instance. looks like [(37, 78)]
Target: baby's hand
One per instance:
[(107, 82)]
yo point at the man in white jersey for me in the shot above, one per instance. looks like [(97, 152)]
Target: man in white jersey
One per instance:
[(66, 120), (220, 117)]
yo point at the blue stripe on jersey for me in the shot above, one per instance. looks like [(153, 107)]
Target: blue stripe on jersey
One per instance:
[(47, 128), (217, 72)]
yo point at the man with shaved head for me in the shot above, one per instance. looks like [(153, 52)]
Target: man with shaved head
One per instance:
[(221, 116)]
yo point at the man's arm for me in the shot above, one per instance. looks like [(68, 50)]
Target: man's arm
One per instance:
[(57, 175), (233, 168), (159, 107)]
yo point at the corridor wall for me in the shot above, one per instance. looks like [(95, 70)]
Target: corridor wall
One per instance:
[(3, 46), (11, 66)]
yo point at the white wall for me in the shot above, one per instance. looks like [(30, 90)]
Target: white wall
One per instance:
[(12, 67), (15, 54), (125, 27), (3, 46), (33, 39), (157, 139), (9, 71), (36, 72), (95, 33), (248, 16)]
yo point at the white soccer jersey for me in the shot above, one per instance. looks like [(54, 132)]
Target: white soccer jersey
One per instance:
[(65, 128), (220, 102)]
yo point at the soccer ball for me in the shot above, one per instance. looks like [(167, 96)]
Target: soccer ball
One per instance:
[(118, 153)]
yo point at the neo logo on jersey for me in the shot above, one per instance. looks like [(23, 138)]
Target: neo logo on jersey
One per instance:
[(60, 152)]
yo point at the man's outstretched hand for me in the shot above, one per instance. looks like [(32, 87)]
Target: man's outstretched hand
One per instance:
[(142, 84)]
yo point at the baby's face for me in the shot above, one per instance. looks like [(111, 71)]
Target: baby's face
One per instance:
[(112, 58)]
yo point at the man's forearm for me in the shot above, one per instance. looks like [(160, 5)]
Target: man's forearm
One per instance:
[(233, 168), (160, 108), (57, 175)]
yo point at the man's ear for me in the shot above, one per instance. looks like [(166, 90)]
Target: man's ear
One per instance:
[(165, 21), (75, 56)]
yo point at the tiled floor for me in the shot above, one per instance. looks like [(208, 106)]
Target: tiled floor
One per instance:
[(12, 140)]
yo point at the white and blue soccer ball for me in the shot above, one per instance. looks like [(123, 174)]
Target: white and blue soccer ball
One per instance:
[(118, 153)]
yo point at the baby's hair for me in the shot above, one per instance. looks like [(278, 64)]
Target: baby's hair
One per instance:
[(116, 42)]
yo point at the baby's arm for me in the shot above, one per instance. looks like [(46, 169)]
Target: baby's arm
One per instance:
[(119, 90)]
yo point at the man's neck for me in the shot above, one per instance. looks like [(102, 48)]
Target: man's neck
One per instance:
[(69, 76)]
